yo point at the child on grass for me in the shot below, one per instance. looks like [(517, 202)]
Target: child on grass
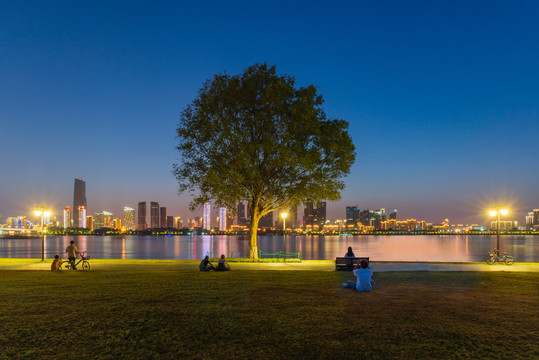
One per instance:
[(55, 266)]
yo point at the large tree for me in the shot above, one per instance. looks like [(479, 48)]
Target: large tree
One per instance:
[(256, 137)]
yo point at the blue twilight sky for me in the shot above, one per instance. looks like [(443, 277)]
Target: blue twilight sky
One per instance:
[(441, 96)]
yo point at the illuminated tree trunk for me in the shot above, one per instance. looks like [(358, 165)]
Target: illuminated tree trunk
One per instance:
[(253, 241)]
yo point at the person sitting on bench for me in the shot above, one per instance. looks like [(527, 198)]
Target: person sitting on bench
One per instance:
[(364, 277), (350, 253)]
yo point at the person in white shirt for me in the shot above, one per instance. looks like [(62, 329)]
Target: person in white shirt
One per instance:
[(364, 277)]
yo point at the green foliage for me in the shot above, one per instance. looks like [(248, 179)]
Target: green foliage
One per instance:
[(156, 314), (257, 137), (259, 260)]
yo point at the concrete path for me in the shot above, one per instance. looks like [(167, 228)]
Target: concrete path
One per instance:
[(308, 265)]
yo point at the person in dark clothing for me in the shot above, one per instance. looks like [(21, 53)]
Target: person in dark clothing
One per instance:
[(206, 265)]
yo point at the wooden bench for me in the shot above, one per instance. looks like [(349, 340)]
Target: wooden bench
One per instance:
[(342, 263)]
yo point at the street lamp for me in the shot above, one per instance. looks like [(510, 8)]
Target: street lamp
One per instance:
[(284, 215), (497, 212), (41, 212)]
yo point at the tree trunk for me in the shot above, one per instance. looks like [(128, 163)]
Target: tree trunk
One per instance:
[(253, 241)]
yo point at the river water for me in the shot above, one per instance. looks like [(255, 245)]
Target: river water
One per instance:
[(459, 248)]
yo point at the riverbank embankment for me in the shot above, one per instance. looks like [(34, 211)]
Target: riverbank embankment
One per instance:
[(307, 265)]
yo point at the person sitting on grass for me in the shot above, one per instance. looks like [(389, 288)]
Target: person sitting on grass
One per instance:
[(55, 266), (350, 253), (364, 277), (206, 265), (223, 265)]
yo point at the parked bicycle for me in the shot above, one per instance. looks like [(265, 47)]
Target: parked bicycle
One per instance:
[(493, 257), (66, 264)]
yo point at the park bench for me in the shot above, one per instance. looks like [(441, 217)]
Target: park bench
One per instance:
[(342, 263)]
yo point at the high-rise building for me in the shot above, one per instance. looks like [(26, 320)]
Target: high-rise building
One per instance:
[(82, 217), (222, 218), (154, 214), (243, 219), (352, 216), (373, 218), (314, 217), (163, 217), (206, 219), (393, 215), (117, 224), (79, 199), (129, 218), (103, 220), (178, 223), (170, 222), (67, 217), (266, 221), (141, 223), (90, 222), (535, 216)]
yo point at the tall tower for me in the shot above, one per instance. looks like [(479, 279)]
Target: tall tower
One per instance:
[(206, 212), (163, 217), (141, 223), (129, 218), (222, 218), (67, 217), (82, 216), (79, 199), (154, 214)]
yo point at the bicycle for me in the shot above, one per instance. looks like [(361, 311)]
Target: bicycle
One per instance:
[(494, 258), (66, 265)]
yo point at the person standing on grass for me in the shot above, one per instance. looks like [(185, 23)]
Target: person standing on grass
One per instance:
[(364, 277), (72, 252), (350, 253)]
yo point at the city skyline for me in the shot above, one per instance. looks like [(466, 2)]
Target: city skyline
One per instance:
[(441, 98)]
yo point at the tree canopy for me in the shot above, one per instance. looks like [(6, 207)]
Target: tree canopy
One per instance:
[(256, 137)]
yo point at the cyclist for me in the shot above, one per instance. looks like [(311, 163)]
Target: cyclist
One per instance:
[(72, 252)]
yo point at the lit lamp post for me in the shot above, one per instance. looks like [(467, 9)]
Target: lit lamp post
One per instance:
[(284, 215), (41, 212), (497, 212)]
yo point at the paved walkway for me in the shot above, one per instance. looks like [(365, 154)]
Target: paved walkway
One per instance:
[(309, 265)]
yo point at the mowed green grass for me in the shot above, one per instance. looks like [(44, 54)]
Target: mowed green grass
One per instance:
[(267, 315)]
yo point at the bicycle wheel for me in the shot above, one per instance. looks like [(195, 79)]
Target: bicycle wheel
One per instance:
[(65, 265), (491, 260), (510, 260), (85, 265)]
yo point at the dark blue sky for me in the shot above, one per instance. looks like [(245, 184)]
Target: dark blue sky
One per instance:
[(442, 96)]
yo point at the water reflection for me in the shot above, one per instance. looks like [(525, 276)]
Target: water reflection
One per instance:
[(381, 248)]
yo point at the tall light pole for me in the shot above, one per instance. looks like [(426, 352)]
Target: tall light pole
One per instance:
[(497, 212), (284, 215), (42, 213)]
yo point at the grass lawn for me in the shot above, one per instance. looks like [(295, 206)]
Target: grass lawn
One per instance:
[(169, 314)]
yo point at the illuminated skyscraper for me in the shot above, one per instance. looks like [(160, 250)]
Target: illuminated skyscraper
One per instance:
[(142, 224), (154, 214), (103, 220), (67, 217), (206, 212), (79, 199), (222, 218), (82, 217), (314, 217), (178, 223), (129, 218), (90, 222)]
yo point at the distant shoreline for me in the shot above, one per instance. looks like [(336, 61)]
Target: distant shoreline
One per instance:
[(177, 233)]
